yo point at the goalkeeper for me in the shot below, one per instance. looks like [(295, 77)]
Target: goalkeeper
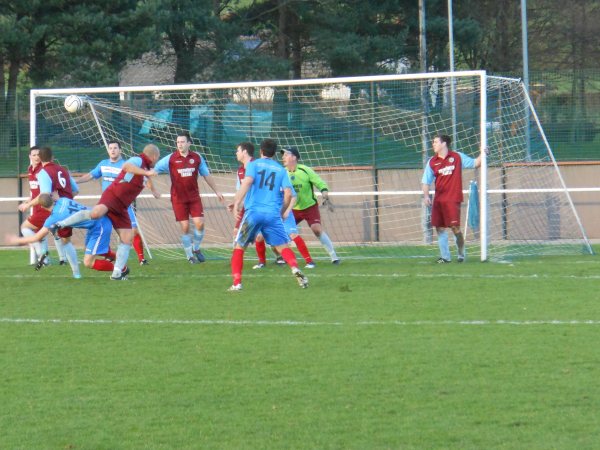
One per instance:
[(304, 180)]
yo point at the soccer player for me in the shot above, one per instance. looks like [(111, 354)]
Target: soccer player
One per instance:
[(304, 180), (266, 191), (39, 215), (52, 178), (108, 169), (115, 201), (184, 167), (445, 168), (97, 238)]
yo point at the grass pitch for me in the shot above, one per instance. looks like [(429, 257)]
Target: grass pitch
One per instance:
[(379, 354)]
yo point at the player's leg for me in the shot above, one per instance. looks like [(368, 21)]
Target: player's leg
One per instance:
[(291, 229), (452, 216), (459, 239), (247, 232), (437, 221), (71, 256), (276, 236), (198, 232), (261, 252), (97, 243), (313, 218), (28, 229), (120, 265), (138, 244)]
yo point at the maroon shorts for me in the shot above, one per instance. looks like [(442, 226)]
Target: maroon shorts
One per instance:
[(66, 232), (445, 214), (185, 210), (117, 211), (310, 214), (38, 217)]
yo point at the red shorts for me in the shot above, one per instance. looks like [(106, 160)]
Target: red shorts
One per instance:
[(117, 211), (65, 232), (38, 217), (310, 214), (185, 210), (445, 214)]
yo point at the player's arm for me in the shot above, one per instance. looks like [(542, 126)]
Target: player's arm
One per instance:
[(211, 182), (241, 194), (287, 211), (74, 187), (131, 168), (162, 166), (150, 185), (84, 178), (205, 173), (13, 239), (288, 202), (428, 178)]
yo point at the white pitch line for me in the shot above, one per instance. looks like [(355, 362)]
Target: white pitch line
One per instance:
[(298, 323), (469, 276)]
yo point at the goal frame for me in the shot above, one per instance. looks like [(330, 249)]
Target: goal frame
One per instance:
[(478, 74)]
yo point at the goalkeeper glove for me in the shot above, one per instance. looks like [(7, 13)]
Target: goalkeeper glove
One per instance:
[(327, 203)]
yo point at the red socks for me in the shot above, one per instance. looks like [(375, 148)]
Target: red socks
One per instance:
[(288, 256), (138, 246), (103, 265), (261, 251), (303, 249), (237, 265)]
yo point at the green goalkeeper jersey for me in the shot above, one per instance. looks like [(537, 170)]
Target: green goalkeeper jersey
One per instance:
[(303, 179)]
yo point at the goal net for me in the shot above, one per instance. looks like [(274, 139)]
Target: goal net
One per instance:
[(367, 137)]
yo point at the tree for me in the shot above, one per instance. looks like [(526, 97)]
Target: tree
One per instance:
[(58, 42)]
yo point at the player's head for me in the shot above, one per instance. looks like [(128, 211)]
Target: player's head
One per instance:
[(114, 150), (183, 142), (152, 152), (34, 155), (45, 154), (290, 156), (268, 147), (46, 201), (244, 151), (441, 142)]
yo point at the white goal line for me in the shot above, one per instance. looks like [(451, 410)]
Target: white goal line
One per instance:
[(292, 323), (353, 193)]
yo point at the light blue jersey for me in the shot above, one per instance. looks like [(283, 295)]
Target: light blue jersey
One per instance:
[(97, 239), (266, 192), (263, 203), (107, 170)]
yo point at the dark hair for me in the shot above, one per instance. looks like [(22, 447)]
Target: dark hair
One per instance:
[(445, 138), (45, 154), (248, 146), (268, 147), (114, 142), (186, 135), (33, 147), (45, 200)]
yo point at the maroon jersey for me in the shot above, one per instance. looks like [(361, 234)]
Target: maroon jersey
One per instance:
[(127, 191), (448, 177), (241, 173), (34, 186), (61, 180), (184, 172)]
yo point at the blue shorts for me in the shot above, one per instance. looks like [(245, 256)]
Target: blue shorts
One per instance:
[(132, 217), (290, 224), (97, 239), (265, 223)]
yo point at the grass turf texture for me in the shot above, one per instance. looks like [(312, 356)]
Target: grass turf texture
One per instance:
[(379, 354)]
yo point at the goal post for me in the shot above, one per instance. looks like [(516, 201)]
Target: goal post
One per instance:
[(367, 137)]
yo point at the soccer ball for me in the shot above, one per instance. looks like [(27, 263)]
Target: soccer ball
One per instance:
[(73, 103)]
